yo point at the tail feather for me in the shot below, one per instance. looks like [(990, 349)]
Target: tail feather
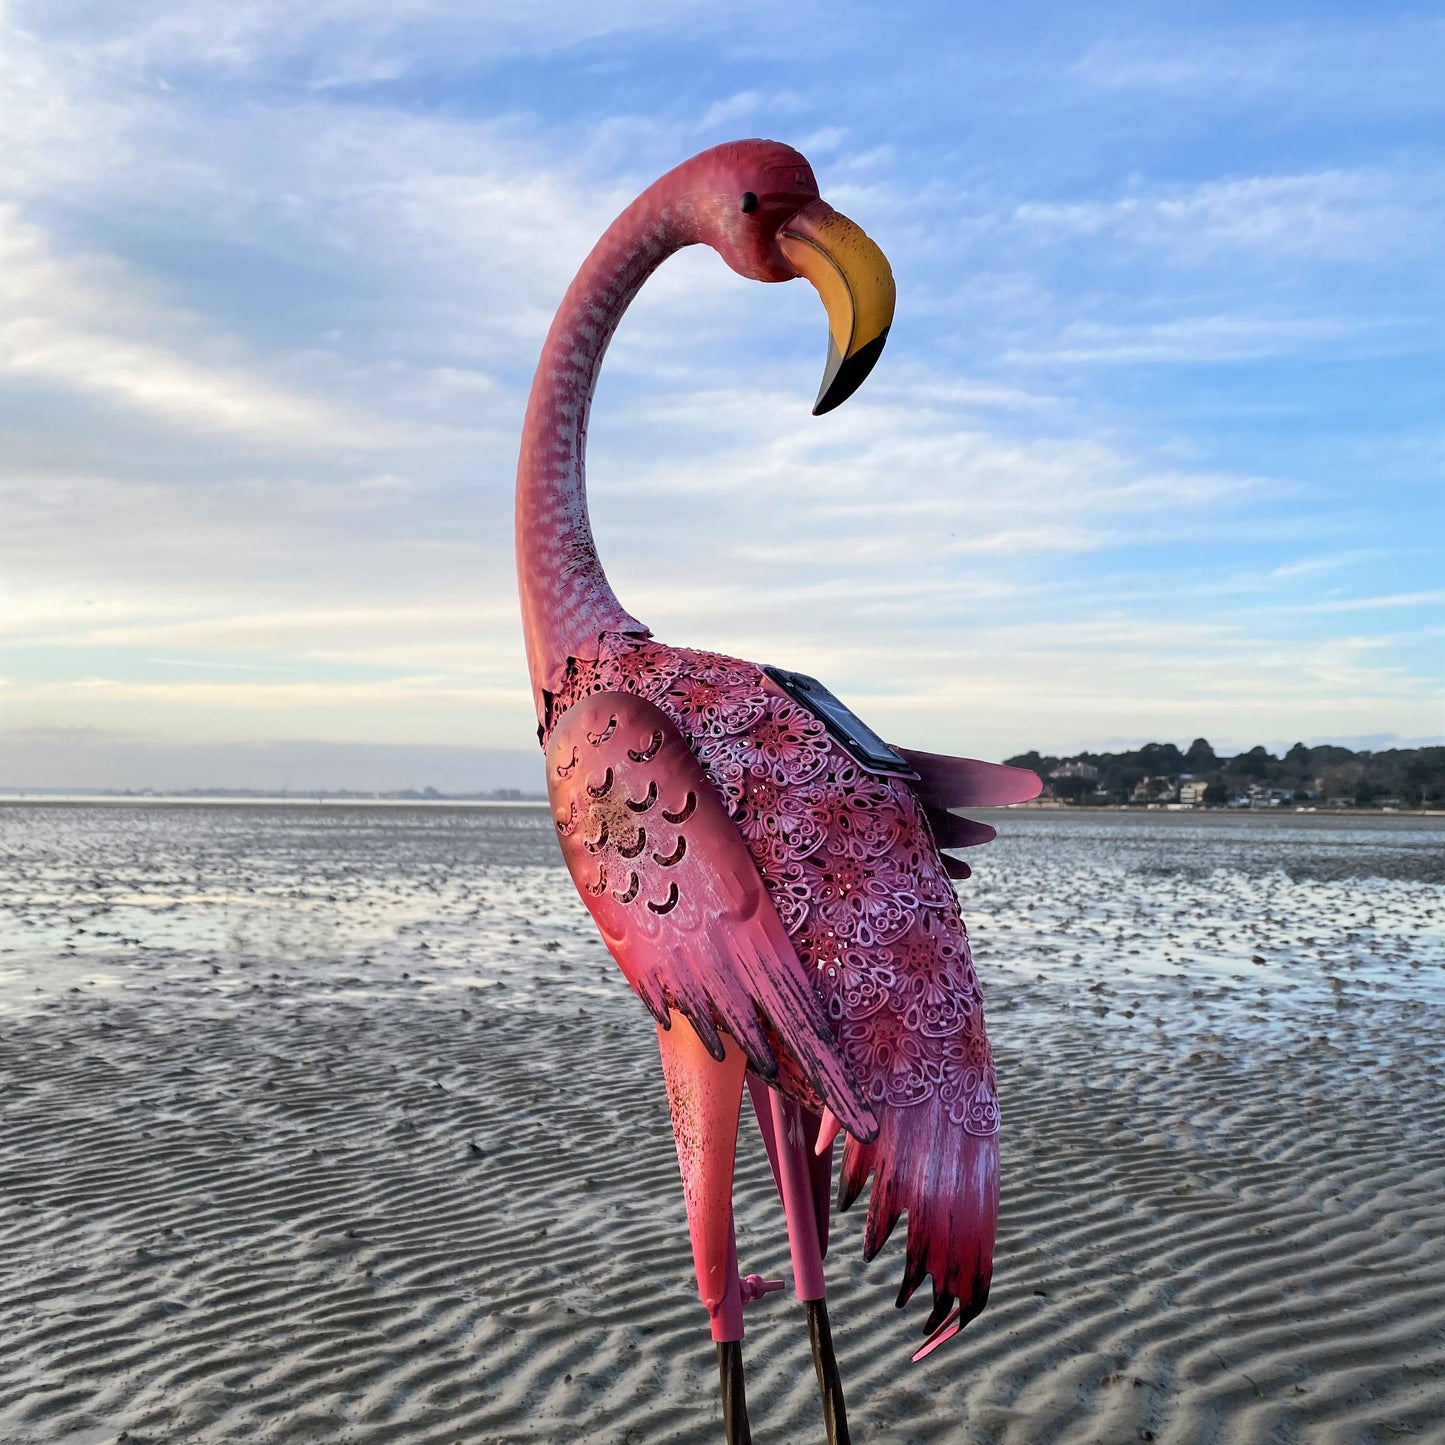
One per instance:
[(946, 1181), (915, 1266), (884, 1211), (942, 1307), (853, 1175)]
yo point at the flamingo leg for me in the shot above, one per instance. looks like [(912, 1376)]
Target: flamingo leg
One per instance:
[(705, 1097), (794, 1132), (792, 1140)]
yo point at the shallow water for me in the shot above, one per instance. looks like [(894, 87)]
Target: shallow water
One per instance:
[(102, 896), (110, 896), (1303, 904)]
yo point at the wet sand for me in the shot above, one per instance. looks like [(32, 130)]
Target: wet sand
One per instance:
[(341, 1126)]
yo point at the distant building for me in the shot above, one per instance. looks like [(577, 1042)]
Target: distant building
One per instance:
[(1087, 771), (1154, 790), (1192, 794), (1262, 796)]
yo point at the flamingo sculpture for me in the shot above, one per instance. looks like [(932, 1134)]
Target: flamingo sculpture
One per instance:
[(755, 857)]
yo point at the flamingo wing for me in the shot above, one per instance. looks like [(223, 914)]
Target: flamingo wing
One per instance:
[(677, 897), (945, 782)]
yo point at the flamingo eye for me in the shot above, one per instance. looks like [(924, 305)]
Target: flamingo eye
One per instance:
[(747, 202)]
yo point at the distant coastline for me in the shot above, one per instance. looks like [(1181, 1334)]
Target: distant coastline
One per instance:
[(9, 798), (1054, 805), (1327, 778)]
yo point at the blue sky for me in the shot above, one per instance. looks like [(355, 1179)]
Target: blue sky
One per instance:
[(1156, 448)]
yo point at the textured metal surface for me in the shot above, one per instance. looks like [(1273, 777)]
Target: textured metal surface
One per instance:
[(825, 1365), (945, 782), (566, 598), (861, 742), (704, 1094), (792, 1140), (734, 1395), (676, 897)]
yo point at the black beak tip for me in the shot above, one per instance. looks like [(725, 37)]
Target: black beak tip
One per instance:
[(844, 376)]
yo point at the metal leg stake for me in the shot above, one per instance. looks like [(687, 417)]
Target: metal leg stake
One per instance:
[(830, 1385), (734, 1396)]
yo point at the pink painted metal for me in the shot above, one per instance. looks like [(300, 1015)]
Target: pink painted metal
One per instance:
[(566, 599), (945, 782), (705, 1094), (793, 1142), (754, 1287), (820, 1165), (743, 866), (850, 863)]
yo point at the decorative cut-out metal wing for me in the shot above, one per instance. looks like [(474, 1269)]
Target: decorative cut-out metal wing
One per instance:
[(678, 898)]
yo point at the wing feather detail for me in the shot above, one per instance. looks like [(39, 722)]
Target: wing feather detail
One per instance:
[(945, 782), (951, 831), (678, 899)]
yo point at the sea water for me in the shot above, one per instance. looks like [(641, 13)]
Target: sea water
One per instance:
[(221, 898)]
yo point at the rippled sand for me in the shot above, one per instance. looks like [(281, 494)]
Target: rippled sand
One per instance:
[(337, 1124)]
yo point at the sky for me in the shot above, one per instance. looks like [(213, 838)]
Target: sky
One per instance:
[(1155, 450)]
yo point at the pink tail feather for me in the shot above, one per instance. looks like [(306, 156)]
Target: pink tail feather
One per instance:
[(946, 1181)]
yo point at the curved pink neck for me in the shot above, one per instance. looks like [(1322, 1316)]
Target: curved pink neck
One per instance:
[(566, 599)]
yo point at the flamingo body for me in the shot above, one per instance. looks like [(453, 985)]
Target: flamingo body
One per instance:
[(852, 870)]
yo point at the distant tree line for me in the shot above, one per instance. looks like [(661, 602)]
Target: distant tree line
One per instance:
[(1410, 777)]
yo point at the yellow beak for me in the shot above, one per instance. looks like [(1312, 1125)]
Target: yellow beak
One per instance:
[(855, 281)]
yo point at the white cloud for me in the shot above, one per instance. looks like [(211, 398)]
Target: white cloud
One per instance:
[(1375, 604), (1366, 63), (1195, 339), (1335, 215), (744, 105), (355, 41), (83, 323)]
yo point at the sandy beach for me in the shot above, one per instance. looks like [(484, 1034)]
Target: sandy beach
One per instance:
[(338, 1124)]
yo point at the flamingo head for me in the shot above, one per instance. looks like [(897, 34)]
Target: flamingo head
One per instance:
[(757, 205)]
